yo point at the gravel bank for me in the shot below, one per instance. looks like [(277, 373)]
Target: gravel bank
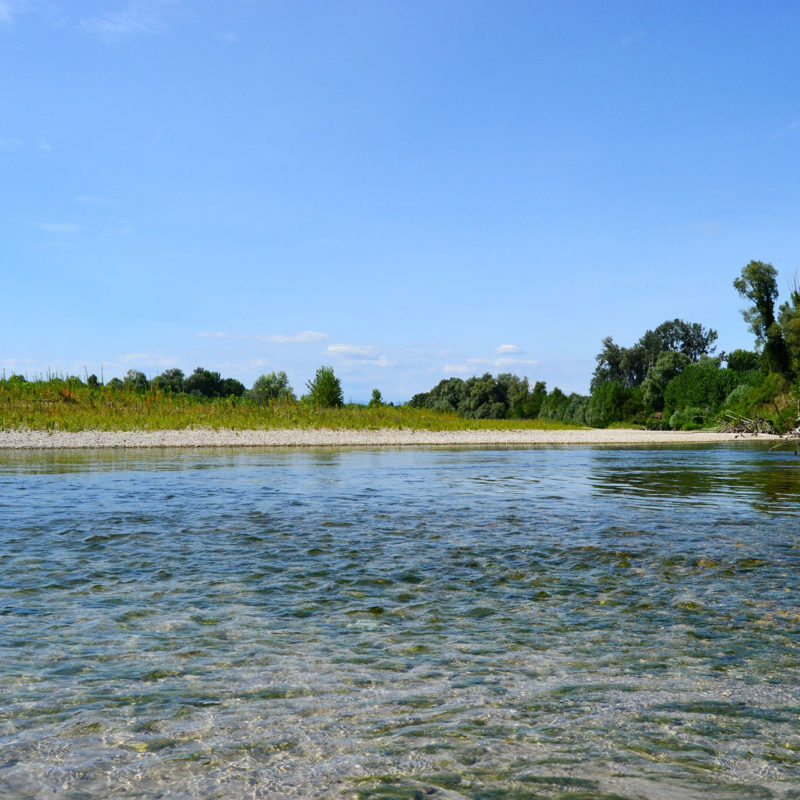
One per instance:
[(33, 440)]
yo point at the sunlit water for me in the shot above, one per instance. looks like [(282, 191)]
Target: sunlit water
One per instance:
[(507, 623)]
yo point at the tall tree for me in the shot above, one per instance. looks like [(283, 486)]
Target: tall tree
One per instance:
[(758, 284)]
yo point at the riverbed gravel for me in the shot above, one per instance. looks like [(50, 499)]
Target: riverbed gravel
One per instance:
[(326, 437)]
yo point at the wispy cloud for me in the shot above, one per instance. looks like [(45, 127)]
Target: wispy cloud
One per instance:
[(790, 129), (630, 37), (10, 144), (504, 349), (10, 9), (139, 17), (44, 145), (351, 350), (302, 337), (60, 227)]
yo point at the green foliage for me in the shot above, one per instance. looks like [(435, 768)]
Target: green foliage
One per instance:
[(758, 284), (230, 387), (70, 406), (376, 400), (743, 361), (505, 397), (325, 390), (271, 388), (203, 383), (668, 366), (170, 380), (789, 321), (690, 419), (704, 385), (630, 366), (136, 380), (612, 402)]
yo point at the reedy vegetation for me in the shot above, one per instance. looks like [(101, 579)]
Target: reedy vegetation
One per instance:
[(70, 404)]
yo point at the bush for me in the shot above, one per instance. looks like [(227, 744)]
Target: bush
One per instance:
[(376, 400), (743, 361), (325, 389), (203, 383), (170, 380), (230, 387), (703, 385), (136, 380), (690, 419), (272, 387)]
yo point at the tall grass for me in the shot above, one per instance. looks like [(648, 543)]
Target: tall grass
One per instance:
[(70, 405)]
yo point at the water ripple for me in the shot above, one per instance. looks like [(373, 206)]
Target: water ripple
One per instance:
[(509, 623)]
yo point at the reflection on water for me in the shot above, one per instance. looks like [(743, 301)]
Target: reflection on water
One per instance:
[(499, 623)]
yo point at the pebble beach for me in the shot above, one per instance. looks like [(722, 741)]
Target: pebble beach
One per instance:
[(326, 437)]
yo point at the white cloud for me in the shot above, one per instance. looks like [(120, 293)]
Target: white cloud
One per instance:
[(10, 144), (139, 17), (458, 369), (60, 227), (503, 349), (303, 337), (350, 350), (44, 145)]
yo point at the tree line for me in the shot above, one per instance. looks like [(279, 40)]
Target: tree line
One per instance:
[(671, 377)]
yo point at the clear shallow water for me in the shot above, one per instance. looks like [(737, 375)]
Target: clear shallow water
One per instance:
[(523, 623)]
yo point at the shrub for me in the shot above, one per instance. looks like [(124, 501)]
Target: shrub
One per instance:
[(170, 380), (269, 388), (203, 383), (376, 400), (134, 379), (325, 389), (690, 419)]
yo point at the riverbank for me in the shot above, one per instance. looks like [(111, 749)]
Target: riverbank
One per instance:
[(328, 437)]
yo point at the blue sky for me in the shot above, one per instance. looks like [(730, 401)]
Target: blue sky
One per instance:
[(403, 190)]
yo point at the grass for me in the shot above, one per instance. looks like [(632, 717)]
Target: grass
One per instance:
[(69, 405)]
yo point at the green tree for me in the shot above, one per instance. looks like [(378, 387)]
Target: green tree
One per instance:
[(230, 387), (270, 388), (204, 383), (376, 401), (789, 320), (134, 379), (669, 364), (742, 360), (171, 380), (630, 366), (325, 389), (758, 284)]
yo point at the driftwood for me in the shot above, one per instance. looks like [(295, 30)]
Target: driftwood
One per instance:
[(735, 423)]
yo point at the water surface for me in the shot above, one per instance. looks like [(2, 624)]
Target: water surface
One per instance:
[(469, 623)]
